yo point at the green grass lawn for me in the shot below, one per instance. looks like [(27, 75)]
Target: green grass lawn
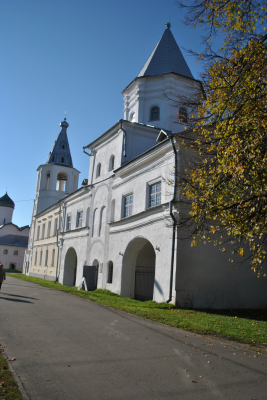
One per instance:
[(8, 386), (13, 271), (245, 326)]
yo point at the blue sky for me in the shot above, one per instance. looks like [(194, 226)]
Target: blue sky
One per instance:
[(75, 56)]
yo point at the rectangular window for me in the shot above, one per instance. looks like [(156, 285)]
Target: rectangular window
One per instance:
[(41, 255), (38, 233), (46, 257), (155, 195), (110, 272), (43, 231), (128, 205), (68, 223), (53, 258), (49, 229), (35, 261), (55, 227), (79, 219)]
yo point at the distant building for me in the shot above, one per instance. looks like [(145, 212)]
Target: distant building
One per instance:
[(120, 226), (13, 240)]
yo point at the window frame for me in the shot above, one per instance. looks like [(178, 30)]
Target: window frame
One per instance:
[(98, 170), (151, 118), (151, 186), (79, 222), (68, 222), (53, 258), (125, 197), (46, 257), (48, 234)]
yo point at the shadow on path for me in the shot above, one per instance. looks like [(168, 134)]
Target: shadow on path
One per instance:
[(16, 295), (16, 300)]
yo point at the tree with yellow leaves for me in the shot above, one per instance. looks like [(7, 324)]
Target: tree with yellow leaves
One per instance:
[(225, 179)]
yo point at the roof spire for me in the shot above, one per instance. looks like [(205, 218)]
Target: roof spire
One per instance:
[(166, 57), (60, 152)]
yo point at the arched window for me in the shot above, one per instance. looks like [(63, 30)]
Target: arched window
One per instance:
[(62, 160), (16, 252), (47, 180), (112, 214), (61, 182), (154, 114), (5, 251), (53, 159), (102, 220), (98, 170), (132, 117), (111, 163), (182, 114), (110, 272)]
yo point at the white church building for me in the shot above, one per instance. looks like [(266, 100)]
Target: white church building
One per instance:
[(118, 229)]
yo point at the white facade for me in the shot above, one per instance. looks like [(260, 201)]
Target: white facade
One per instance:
[(117, 229)]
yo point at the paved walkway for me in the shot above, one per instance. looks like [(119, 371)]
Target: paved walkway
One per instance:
[(68, 348)]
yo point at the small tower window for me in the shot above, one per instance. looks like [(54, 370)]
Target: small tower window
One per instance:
[(63, 146), (154, 114), (62, 159), (16, 252), (182, 115), (61, 182), (132, 117), (111, 163), (53, 159), (5, 251), (98, 170), (47, 180)]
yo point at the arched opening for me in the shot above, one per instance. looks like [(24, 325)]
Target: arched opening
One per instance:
[(47, 180), (61, 182), (16, 253), (138, 270), (12, 266), (154, 114), (111, 163), (70, 268), (98, 170)]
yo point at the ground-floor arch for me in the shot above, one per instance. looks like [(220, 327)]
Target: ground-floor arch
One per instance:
[(70, 267), (138, 270)]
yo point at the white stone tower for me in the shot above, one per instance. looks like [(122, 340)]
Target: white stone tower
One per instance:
[(152, 98), (56, 178), (6, 209)]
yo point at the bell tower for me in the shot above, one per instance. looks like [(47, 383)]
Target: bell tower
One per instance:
[(56, 177)]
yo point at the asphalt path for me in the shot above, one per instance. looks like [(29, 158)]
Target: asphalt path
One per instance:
[(68, 348)]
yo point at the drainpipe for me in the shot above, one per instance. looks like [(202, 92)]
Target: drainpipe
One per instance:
[(124, 139), (92, 153), (173, 218), (59, 222)]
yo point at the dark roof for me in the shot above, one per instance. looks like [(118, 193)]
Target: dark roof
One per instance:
[(5, 201), (16, 226), (14, 240), (166, 57), (61, 148)]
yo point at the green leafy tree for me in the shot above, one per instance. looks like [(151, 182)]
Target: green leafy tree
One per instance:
[(225, 178)]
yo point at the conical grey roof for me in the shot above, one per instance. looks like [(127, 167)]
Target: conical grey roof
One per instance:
[(60, 152), (5, 201), (166, 57)]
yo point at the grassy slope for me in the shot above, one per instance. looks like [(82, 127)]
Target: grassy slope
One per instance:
[(8, 387), (246, 326)]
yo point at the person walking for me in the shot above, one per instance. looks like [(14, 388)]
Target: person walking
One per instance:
[(2, 274)]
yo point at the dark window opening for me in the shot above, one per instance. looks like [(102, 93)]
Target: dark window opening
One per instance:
[(110, 272), (182, 114), (154, 114), (62, 159)]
